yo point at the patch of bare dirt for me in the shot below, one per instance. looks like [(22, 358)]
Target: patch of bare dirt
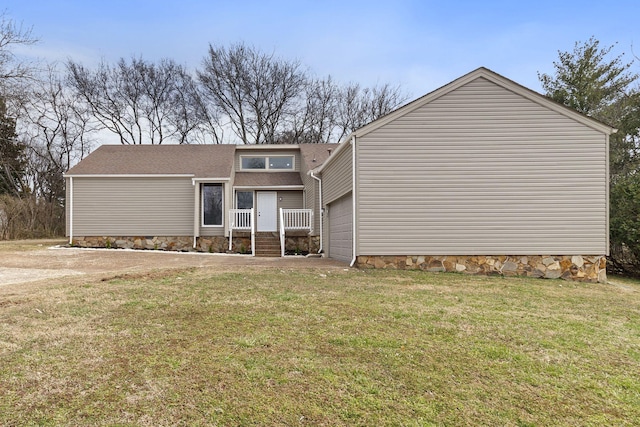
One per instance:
[(22, 262)]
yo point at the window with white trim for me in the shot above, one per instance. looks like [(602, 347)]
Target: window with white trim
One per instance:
[(212, 205), (254, 162), (267, 162), (281, 162), (244, 199)]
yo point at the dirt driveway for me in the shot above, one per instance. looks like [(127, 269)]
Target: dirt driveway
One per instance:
[(29, 261)]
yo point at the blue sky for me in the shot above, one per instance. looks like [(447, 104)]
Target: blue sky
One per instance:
[(419, 45)]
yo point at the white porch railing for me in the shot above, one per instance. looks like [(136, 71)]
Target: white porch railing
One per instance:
[(294, 219), (242, 220), (297, 219)]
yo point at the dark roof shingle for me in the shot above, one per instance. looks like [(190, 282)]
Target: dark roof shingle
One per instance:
[(313, 155), (266, 179), (203, 161)]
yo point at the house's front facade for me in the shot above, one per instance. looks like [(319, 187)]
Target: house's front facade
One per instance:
[(479, 176), (203, 197)]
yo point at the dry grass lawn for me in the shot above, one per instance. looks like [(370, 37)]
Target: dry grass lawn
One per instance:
[(318, 347)]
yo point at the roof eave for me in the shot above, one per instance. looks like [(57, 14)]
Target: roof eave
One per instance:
[(129, 175), (333, 155), (268, 187), (497, 79), (547, 102), (268, 147)]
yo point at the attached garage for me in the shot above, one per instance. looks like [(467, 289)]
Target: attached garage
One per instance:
[(480, 176), (340, 228)]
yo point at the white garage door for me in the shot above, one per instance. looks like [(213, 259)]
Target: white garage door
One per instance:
[(340, 229)]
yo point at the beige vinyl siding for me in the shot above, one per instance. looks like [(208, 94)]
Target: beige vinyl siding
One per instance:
[(337, 177), (311, 185), (267, 153), (132, 206), (337, 181), (290, 200), (309, 191), (482, 170), (311, 200)]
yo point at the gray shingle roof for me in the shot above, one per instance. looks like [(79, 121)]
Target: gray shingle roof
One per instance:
[(203, 161), (266, 179), (313, 155)]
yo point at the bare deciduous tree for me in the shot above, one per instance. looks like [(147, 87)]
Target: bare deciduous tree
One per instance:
[(269, 100), (139, 101), (11, 36), (193, 118), (255, 91), (59, 131), (12, 155), (357, 106), (13, 74), (314, 119), (22, 213)]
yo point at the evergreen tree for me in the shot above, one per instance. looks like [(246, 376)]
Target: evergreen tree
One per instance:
[(12, 154), (590, 82), (595, 84)]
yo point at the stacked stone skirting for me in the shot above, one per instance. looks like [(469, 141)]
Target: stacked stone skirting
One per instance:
[(577, 267), (217, 244)]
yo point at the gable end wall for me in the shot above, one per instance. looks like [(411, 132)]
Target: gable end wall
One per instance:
[(482, 170)]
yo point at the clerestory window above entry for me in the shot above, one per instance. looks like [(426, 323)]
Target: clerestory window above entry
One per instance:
[(267, 162)]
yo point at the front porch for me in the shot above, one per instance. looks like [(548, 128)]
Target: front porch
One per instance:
[(293, 224)]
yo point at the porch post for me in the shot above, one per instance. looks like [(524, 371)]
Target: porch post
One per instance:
[(282, 240), (253, 233), (196, 212), (70, 210), (232, 215)]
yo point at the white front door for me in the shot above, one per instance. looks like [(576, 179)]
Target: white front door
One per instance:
[(267, 211)]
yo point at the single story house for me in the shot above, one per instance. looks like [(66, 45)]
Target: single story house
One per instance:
[(479, 176)]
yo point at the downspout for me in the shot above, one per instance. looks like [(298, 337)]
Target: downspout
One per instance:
[(321, 209), (353, 199), (70, 210), (196, 213)]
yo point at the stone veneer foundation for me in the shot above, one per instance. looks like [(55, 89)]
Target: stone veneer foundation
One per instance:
[(577, 267), (218, 244)]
